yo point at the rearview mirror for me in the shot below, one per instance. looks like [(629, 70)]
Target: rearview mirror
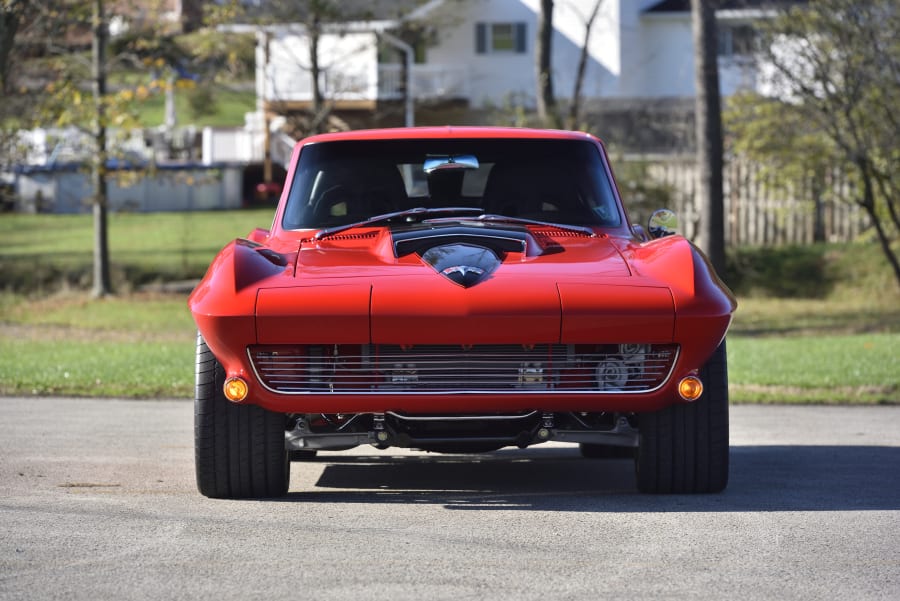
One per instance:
[(449, 163)]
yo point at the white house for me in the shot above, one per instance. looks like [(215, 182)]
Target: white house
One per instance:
[(482, 52)]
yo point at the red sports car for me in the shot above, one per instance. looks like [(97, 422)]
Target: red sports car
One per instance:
[(460, 290)]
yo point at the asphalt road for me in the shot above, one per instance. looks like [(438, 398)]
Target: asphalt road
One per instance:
[(97, 501)]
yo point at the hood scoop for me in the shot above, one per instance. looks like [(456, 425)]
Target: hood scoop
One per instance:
[(462, 264), (499, 240)]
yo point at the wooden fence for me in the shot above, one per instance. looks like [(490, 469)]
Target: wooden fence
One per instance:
[(758, 210)]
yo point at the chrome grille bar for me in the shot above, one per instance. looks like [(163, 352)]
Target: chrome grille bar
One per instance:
[(445, 368)]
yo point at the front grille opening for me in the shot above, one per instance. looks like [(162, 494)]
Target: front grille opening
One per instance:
[(335, 369)]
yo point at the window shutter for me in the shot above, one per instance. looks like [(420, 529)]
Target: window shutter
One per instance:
[(521, 39), (480, 38)]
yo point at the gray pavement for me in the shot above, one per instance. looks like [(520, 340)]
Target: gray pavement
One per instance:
[(97, 501)]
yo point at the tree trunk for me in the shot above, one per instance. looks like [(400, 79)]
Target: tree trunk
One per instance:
[(709, 132), (191, 15), (575, 105), (314, 31), (405, 91), (267, 124), (546, 100), (889, 198), (101, 280), (817, 189), (314, 69), (10, 18), (868, 203)]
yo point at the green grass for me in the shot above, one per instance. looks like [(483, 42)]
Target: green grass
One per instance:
[(841, 347), (852, 368), (160, 316), (846, 313), (227, 109), (135, 346), (97, 368), (43, 252), (844, 349), (222, 102)]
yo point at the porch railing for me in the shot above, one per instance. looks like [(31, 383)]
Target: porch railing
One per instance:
[(429, 82)]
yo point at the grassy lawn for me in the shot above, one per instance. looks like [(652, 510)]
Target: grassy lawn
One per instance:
[(227, 110), (134, 346), (40, 251), (845, 349), (842, 349)]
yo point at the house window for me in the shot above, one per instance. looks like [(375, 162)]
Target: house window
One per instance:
[(500, 38), (736, 40)]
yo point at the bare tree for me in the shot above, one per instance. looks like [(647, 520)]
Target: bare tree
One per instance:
[(68, 87), (835, 80), (708, 112), (575, 106), (318, 18), (61, 98)]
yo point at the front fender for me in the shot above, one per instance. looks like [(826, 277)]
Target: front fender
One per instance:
[(224, 302), (704, 305)]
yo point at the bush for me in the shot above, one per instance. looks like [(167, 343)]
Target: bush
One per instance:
[(784, 272), (202, 101)]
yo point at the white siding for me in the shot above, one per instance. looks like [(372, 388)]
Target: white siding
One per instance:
[(604, 67), (492, 77), (349, 65), (661, 62), (632, 54)]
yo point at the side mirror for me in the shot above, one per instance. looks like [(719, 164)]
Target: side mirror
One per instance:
[(663, 222)]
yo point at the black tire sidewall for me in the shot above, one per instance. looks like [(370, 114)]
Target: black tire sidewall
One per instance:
[(684, 448)]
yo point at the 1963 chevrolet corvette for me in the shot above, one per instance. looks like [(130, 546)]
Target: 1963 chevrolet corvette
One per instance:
[(459, 290)]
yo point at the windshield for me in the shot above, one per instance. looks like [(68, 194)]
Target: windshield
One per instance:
[(558, 181)]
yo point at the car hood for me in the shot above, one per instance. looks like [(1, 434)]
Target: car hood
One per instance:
[(458, 286)]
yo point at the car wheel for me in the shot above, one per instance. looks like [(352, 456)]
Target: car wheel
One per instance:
[(604, 451), (684, 448), (238, 449)]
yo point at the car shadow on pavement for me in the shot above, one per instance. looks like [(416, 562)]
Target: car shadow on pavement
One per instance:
[(763, 478)]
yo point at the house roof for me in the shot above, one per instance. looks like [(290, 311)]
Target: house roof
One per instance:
[(670, 6), (677, 6), (345, 10), (376, 10)]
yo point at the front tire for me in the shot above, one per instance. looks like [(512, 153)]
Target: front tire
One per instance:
[(684, 447), (238, 449)]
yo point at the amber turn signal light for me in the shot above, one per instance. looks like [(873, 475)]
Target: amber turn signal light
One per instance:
[(690, 388), (235, 389)]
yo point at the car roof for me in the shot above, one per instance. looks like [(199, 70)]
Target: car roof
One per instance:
[(449, 132)]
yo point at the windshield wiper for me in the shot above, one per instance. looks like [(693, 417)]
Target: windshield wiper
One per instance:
[(388, 217)]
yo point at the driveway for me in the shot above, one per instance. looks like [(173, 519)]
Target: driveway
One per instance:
[(97, 501)]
